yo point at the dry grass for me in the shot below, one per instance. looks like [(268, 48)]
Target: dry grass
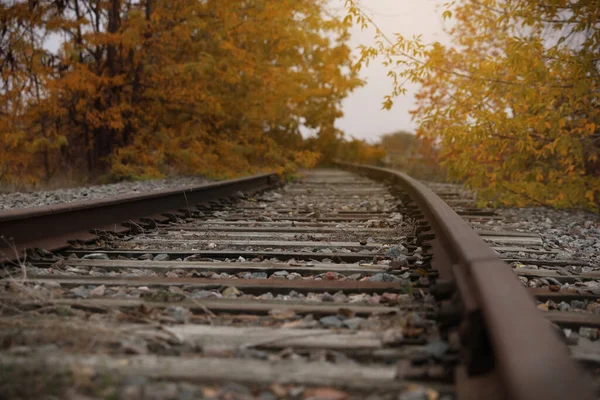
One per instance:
[(57, 182)]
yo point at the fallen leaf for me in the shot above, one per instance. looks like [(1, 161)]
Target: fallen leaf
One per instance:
[(231, 291), (346, 313), (278, 390), (282, 313)]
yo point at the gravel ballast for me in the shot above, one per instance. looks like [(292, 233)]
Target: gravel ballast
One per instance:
[(575, 234), (15, 200)]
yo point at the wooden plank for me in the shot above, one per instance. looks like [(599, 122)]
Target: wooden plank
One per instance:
[(276, 218), (506, 233), (259, 235), (573, 319), (307, 210), (534, 261), (513, 249), (561, 277), (307, 193), (229, 237), (544, 294), (235, 337), (219, 370), (513, 240), (322, 244), (335, 196), (203, 227), (229, 267), (294, 214), (255, 243), (221, 305), (246, 285), (258, 227), (339, 218), (220, 254), (245, 337), (358, 183), (202, 223)]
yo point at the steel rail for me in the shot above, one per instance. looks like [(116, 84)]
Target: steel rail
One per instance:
[(52, 227), (499, 317)]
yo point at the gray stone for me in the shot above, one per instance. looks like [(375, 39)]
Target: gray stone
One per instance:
[(80, 292), (383, 277), (340, 297), (563, 255), (563, 306), (396, 251), (279, 274), (204, 294), (523, 279), (436, 349), (95, 256), (51, 284), (354, 323), (178, 314), (331, 322), (258, 275), (327, 297), (146, 256), (161, 257), (578, 304), (400, 261)]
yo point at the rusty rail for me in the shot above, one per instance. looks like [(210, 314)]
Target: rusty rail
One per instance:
[(52, 227), (510, 341)]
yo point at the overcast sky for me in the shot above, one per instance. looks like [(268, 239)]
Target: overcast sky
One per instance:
[(363, 116)]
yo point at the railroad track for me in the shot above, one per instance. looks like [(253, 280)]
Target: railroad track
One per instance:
[(336, 286)]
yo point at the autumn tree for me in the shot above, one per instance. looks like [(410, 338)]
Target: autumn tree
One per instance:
[(417, 156), (360, 151), (145, 88), (513, 102)]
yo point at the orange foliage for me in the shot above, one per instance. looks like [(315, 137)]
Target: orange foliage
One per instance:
[(140, 89)]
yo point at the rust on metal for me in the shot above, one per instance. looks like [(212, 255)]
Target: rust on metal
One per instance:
[(52, 227), (531, 361)]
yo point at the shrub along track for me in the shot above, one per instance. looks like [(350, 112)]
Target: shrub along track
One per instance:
[(335, 286)]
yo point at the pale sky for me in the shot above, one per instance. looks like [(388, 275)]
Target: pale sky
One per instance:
[(363, 116)]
